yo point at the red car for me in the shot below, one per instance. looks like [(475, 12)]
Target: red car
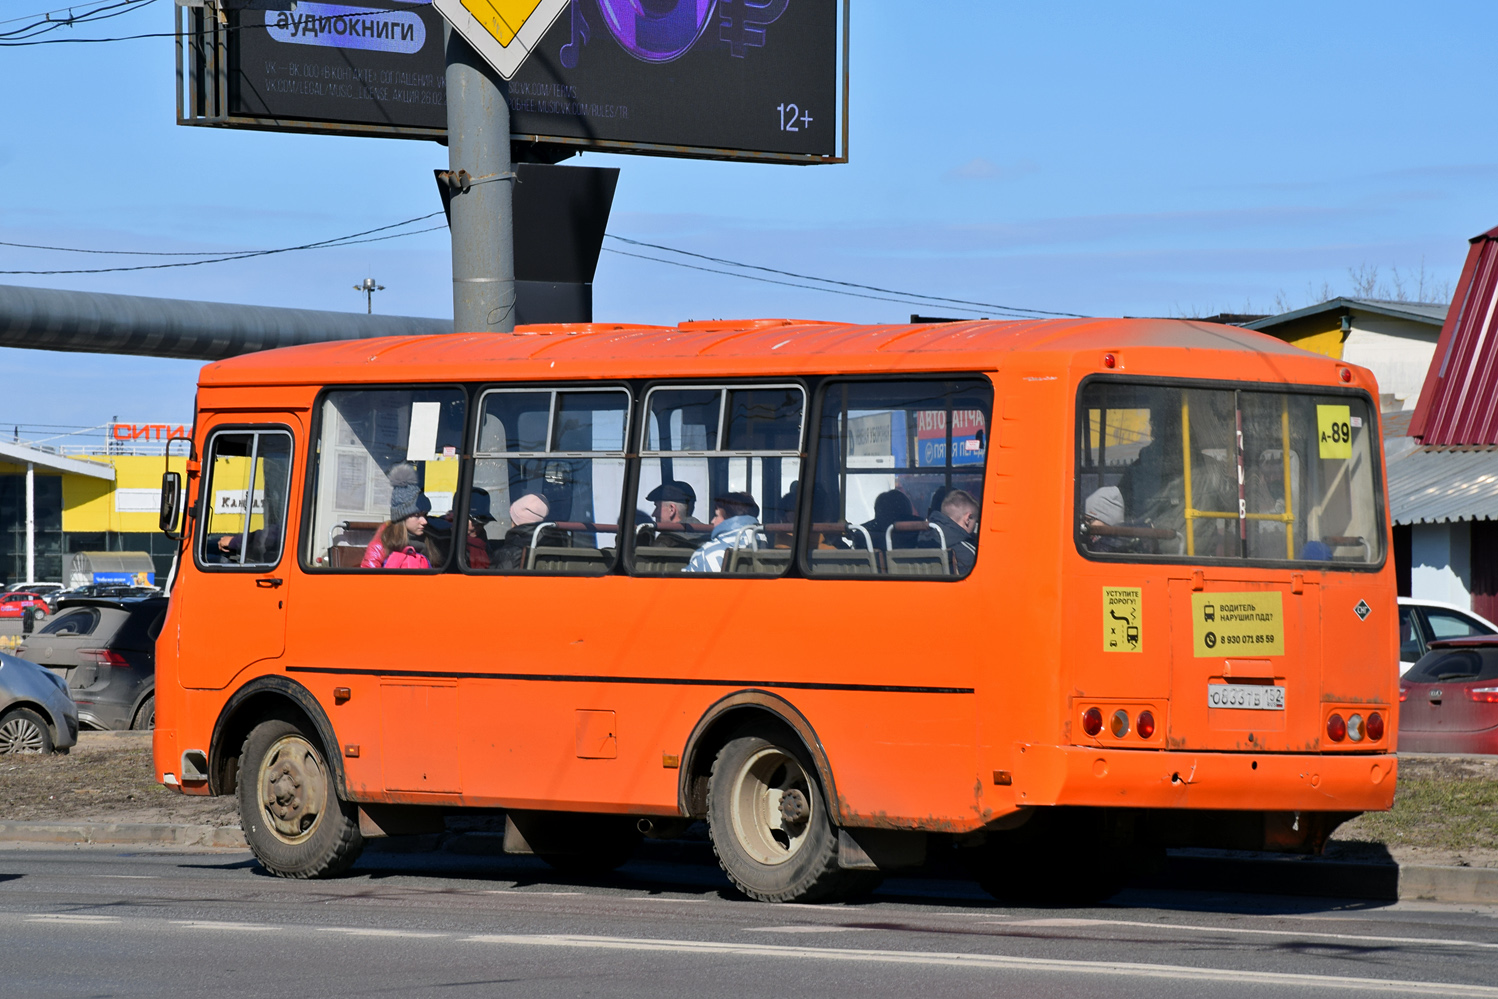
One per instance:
[(1450, 698), (17, 604)]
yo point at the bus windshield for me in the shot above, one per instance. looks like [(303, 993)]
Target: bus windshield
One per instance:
[(1210, 473)]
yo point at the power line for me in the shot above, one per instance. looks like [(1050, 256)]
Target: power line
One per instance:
[(349, 240), (845, 284), (45, 24)]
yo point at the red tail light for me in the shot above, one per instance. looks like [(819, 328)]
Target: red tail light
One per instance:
[(1145, 726), (1375, 727), (1403, 693), (1336, 728), (103, 657), (1092, 721), (1483, 695)]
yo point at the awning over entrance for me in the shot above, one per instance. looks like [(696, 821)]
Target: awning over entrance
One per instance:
[(21, 454)]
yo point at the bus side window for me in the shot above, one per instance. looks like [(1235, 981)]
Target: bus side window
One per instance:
[(719, 472), (244, 523), (547, 481), (899, 477), (386, 476)]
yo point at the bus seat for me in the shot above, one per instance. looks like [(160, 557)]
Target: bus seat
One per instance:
[(581, 561), (758, 561), (661, 558), (919, 562), (859, 562), (345, 556)]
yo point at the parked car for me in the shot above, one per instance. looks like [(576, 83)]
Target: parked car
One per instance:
[(104, 648), (1422, 622), (1449, 700), (44, 589), (18, 604), (36, 714)]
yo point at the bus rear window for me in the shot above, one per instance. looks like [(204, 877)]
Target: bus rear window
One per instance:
[(1158, 474)]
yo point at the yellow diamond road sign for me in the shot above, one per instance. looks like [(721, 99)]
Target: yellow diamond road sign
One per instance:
[(503, 32)]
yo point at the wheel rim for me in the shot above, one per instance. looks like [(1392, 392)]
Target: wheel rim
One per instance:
[(22, 735), (293, 788), (772, 803)]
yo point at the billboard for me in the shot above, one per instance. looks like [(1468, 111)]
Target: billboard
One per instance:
[(721, 79)]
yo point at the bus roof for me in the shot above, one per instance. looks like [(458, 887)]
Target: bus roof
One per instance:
[(740, 347)]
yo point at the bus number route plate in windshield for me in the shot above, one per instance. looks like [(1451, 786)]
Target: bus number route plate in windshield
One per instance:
[(1225, 624), (1253, 697)]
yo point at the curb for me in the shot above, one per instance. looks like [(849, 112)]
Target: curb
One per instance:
[(121, 833), (1266, 874)]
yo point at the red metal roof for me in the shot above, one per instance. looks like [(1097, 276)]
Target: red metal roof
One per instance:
[(1459, 401)]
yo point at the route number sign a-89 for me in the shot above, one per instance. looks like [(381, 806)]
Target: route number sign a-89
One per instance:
[(1334, 431)]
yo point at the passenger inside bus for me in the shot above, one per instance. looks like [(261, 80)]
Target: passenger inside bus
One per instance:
[(399, 543), (439, 532), (525, 533), (954, 529), (674, 525), (890, 508), (735, 525)]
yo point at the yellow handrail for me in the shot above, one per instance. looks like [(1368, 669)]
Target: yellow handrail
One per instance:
[(1186, 461), (1285, 455), (1287, 518)]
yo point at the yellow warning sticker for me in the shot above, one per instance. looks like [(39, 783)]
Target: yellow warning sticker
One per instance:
[(1334, 431), (1228, 624), (1123, 619)]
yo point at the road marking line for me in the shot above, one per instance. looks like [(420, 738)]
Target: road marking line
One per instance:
[(521, 891), (210, 924), (129, 877), (987, 961), (66, 918), (803, 928), (355, 931), (1073, 921)]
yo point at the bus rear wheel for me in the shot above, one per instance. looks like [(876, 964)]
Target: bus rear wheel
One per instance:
[(769, 822), (288, 808)]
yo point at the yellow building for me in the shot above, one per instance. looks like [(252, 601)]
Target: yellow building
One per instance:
[(87, 502)]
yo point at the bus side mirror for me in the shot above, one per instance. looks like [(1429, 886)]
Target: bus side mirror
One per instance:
[(171, 505)]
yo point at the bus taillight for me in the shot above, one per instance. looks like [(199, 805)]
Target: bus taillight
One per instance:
[(1336, 728), (1145, 726), (1092, 721), (1375, 727), (1119, 723)]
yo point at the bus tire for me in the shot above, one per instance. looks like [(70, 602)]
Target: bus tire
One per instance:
[(769, 822), (288, 807)]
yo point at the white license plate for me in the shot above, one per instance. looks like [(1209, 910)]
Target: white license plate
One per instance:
[(1243, 695)]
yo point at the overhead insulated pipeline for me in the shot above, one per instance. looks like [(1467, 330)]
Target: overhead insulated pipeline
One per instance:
[(44, 319)]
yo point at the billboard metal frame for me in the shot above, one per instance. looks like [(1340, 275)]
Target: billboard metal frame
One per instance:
[(203, 93)]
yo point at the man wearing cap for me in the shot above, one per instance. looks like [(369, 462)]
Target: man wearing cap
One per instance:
[(674, 522), (1104, 508)]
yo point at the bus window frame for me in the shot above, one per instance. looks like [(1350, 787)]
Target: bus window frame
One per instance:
[(472, 455), (802, 561), (637, 453), (1375, 451), (314, 456), (205, 490)]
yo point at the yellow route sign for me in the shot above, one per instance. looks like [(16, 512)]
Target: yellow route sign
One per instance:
[(1233, 624), (1334, 431), (1123, 619), (502, 31)]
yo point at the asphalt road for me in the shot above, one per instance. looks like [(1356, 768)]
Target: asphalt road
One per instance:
[(101, 922)]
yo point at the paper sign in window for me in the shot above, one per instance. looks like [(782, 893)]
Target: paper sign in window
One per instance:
[(1334, 431), (421, 443)]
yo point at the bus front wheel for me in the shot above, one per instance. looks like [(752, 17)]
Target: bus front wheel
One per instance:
[(769, 822), (288, 808)]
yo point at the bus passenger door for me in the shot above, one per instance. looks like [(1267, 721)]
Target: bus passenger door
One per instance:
[(233, 609)]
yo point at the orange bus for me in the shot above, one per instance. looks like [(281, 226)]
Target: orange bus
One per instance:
[(1052, 594)]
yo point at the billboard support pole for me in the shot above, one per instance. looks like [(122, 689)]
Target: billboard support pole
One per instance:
[(482, 218)]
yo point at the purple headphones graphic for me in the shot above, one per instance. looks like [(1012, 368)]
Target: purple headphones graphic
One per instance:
[(663, 30)]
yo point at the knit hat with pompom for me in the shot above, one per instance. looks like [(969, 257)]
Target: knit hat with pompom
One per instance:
[(406, 497)]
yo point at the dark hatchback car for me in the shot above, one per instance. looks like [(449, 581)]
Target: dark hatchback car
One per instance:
[(1450, 698), (105, 648)]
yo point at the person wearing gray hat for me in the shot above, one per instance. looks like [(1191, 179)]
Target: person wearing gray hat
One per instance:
[(398, 544), (1105, 508)]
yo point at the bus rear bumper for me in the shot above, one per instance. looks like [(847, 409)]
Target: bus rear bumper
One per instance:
[(1078, 775)]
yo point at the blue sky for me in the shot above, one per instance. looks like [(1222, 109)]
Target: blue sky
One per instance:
[(1147, 159)]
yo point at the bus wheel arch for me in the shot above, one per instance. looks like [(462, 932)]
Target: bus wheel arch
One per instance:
[(262, 699), (719, 724)]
